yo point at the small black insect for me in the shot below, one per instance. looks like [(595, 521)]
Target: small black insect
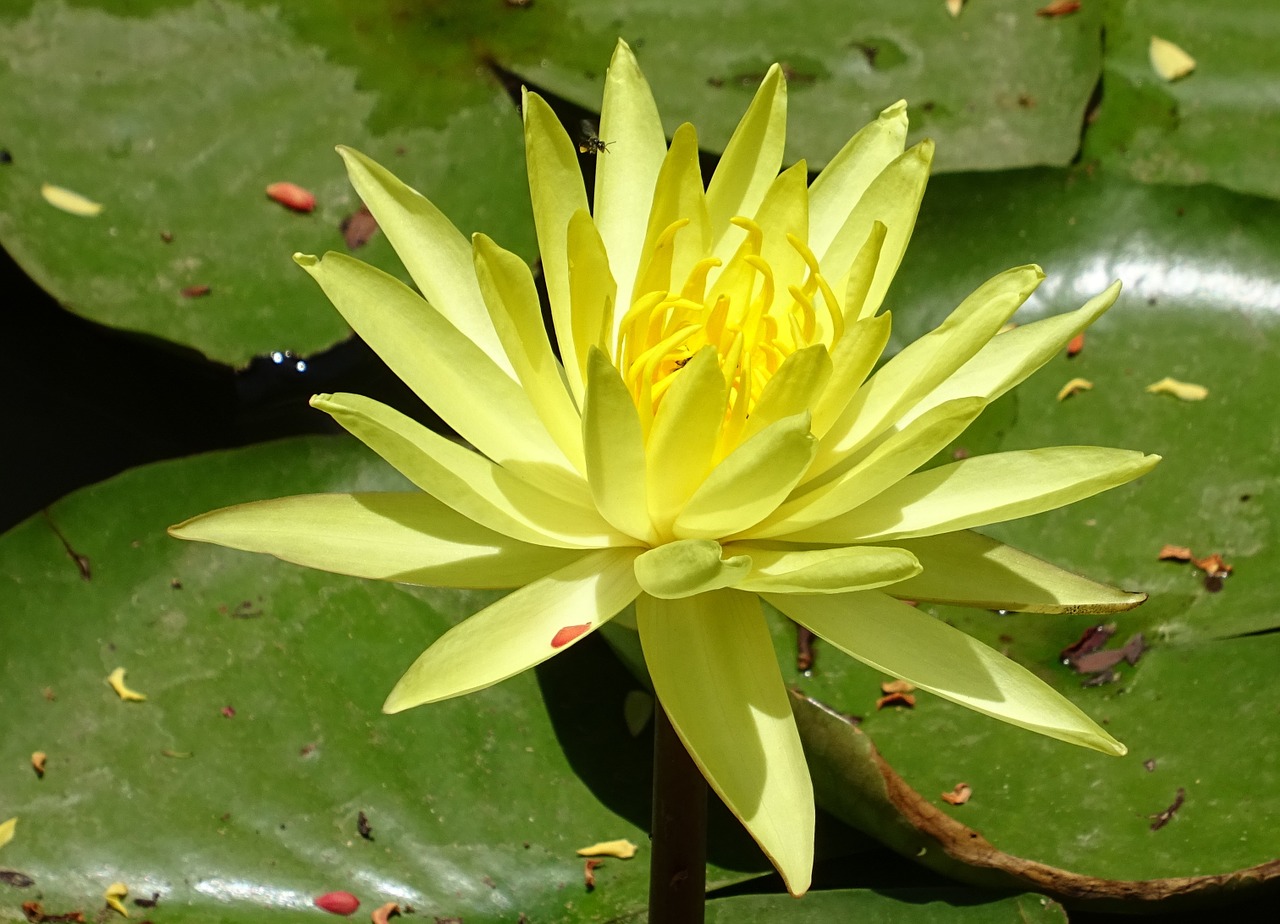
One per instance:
[(591, 143)]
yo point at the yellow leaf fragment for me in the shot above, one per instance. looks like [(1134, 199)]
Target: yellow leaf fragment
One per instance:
[(1170, 61), (38, 761), (71, 202), (6, 831), (114, 897), (622, 849), (1075, 385), (1185, 391), (116, 679), (954, 7)]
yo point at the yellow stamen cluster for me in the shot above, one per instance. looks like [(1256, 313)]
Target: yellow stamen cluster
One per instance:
[(751, 329)]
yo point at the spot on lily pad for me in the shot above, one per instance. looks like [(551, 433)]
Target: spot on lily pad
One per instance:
[(1174, 553), (343, 903), (292, 196), (959, 795), (568, 634), (1074, 387), (6, 831), (1170, 61), (70, 202), (114, 896), (116, 680), (1185, 391)]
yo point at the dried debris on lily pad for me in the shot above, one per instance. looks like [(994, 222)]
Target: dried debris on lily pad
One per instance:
[(36, 914), (38, 761), (1087, 656), (70, 202), (1075, 345), (1174, 553), (363, 828), (1183, 391), (114, 897), (589, 873), (358, 228), (897, 686), (1058, 8), (896, 699), (1170, 61), (7, 830), (1215, 567), (804, 648), (1160, 819), (116, 680), (15, 879), (384, 913), (959, 795), (621, 849), (1074, 387)]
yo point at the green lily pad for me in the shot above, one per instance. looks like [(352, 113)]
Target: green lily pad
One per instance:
[(996, 87), (890, 906), (1217, 124), (176, 116), (235, 789)]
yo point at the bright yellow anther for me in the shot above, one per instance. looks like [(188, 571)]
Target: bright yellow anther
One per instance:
[(833, 309), (755, 236), (815, 277), (116, 680), (114, 896), (805, 327), (695, 287), (766, 291)]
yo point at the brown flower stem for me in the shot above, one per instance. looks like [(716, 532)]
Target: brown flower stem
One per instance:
[(678, 868)]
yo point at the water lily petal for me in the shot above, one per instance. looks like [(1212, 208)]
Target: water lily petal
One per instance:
[(614, 444), (512, 301), (492, 412), (899, 455), (783, 213), (409, 538), (750, 161), (985, 489), (794, 388), (592, 292), (435, 253), (922, 365), (750, 482), (852, 359), (555, 184), (846, 177), (467, 481), (625, 178), (666, 261), (823, 571), (687, 567), (968, 569), (902, 641), (893, 198), (715, 672), (1010, 357), (521, 630), (683, 439)]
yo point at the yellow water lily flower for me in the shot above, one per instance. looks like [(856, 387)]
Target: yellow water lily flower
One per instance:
[(706, 433)]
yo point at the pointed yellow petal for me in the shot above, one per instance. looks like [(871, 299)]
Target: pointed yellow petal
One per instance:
[(436, 254), (793, 389), (969, 569), (683, 439), (823, 571), (406, 538), (625, 178), (913, 646), (678, 196), (593, 293), (614, 445), (750, 161), (521, 630), (716, 675)]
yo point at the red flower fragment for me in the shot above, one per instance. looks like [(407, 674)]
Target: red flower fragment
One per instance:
[(292, 196), (568, 634), (1076, 345), (343, 903), (1058, 8)]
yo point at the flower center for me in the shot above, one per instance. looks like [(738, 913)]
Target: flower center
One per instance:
[(741, 315)]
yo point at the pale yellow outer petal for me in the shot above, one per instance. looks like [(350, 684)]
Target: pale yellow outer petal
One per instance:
[(906, 643), (406, 538), (678, 196), (715, 672), (627, 172), (614, 444), (435, 253), (750, 161), (555, 184), (592, 292), (521, 630)]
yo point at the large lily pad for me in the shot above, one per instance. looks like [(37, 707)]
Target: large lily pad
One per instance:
[(996, 87), (235, 788), (1217, 125), (175, 116)]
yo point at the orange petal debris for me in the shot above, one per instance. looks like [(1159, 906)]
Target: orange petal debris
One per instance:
[(343, 903), (1076, 345), (1059, 8), (568, 634), (114, 897), (896, 699), (959, 795), (1213, 565), (116, 679), (1170, 61), (621, 849), (384, 913), (38, 760), (897, 686), (70, 202), (589, 873), (37, 915), (292, 196), (196, 291), (1185, 391), (1075, 386), (1174, 553)]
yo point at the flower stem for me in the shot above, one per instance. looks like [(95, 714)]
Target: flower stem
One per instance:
[(678, 869)]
